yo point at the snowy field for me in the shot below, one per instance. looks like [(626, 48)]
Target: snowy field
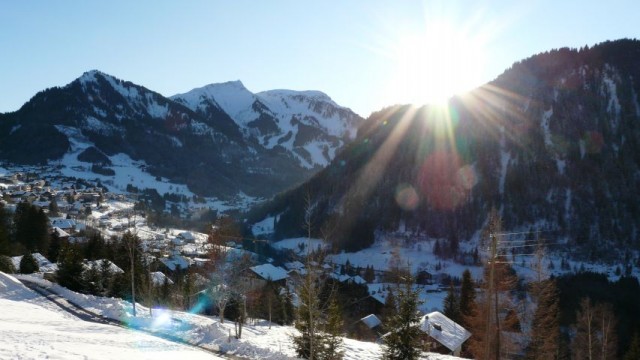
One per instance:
[(31, 327), (259, 340)]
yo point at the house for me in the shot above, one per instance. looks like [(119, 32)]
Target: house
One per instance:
[(44, 265), (97, 264), (68, 225), (158, 278), (269, 272), (371, 321), (447, 335), (61, 234), (175, 262)]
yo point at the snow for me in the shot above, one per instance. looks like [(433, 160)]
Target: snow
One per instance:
[(270, 272), (264, 227), (300, 246), (44, 264), (444, 330), (259, 341), (31, 327), (544, 123), (286, 108), (158, 278), (371, 321)]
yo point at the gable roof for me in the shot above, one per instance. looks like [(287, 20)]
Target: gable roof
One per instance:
[(371, 321), (444, 330), (270, 272)]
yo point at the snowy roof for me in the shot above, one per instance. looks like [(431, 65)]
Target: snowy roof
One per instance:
[(444, 330), (175, 261), (358, 279), (113, 268), (294, 265), (60, 233), (186, 235), (270, 272), (44, 264), (158, 277), (63, 223), (371, 321)]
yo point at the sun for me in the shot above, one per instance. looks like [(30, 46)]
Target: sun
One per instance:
[(436, 63)]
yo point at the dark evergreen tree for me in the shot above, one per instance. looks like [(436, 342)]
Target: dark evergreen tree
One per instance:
[(6, 265), (31, 228), (334, 332), (53, 208), (70, 268), (402, 342), (5, 244), (28, 264), (467, 303), (451, 306), (633, 352), (55, 244), (545, 327)]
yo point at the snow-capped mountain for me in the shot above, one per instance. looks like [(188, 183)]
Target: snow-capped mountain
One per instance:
[(99, 116), (308, 124)]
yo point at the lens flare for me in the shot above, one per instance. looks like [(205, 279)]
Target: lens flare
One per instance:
[(407, 197), (444, 181)]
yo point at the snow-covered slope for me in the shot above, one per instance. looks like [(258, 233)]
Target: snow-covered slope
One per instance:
[(308, 124), (34, 328)]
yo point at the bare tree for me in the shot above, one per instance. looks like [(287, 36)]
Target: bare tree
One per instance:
[(595, 332)]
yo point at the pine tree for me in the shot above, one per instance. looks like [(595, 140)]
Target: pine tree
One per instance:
[(6, 265), (310, 343), (333, 347), (5, 244), (402, 342), (70, 268), (28, 264), (545, 327), (467, 303), (451, 306), (633, 352)]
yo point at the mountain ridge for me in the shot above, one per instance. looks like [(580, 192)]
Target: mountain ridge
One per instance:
[(552, 144), (205, 149)]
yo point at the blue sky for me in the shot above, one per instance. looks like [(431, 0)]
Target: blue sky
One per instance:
[(365, 54)]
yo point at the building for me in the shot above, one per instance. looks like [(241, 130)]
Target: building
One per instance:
[(444, 334)]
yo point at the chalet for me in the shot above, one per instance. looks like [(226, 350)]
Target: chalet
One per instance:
[(158, 278), (61, 234), (44, 264), (443, 334), (175, 262), (68, 225), (259, 275)]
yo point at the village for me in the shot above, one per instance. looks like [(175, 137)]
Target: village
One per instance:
[(78, 208)]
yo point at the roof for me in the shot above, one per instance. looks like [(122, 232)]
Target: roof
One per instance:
[(60, 233), (63, 223), (158, 277), (444, 330), (371, 321), (113, 268), (270, 272), (44, 265), (174, 262)]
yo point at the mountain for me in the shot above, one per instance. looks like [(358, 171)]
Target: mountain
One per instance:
[(553, 144), (308, 124), (99, 116)]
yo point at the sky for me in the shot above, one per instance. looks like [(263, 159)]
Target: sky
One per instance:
[(365, 54)]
